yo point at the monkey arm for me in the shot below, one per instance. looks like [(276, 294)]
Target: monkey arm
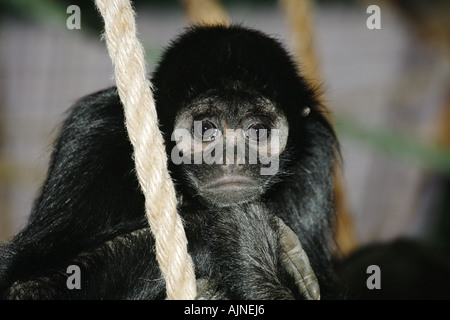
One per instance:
[(247, 243), (122, 268)]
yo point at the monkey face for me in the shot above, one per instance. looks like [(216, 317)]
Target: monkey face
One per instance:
[(228, 144)]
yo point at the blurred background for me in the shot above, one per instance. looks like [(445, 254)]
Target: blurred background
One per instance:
[(387, 91)]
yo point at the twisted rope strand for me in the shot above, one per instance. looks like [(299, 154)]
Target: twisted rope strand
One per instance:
[(127, 55)]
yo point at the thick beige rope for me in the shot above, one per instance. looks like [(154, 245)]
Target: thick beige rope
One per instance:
[(135, 93)]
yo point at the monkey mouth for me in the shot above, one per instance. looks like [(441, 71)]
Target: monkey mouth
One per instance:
[(230, 190), (230, 183)]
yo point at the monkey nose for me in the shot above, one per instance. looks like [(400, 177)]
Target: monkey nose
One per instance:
[(229, 160), (233, 159)]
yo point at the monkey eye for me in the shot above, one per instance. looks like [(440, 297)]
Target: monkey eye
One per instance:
[(205, 130), (257, 132)]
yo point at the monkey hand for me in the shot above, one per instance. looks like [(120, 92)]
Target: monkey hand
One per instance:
[(296, 261)]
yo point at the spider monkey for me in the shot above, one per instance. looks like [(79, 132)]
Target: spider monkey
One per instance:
[(216, 83)]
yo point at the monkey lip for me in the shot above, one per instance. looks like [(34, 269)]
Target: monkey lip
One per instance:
[(230, 182)]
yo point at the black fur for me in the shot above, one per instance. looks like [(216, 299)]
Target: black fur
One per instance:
[(408, 270), (91, 211)]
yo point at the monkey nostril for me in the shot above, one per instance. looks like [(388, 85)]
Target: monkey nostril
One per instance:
[(233, 161), (231, 168), (228, 167)]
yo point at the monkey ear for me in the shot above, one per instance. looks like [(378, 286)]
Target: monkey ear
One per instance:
[(306, 111), (296, 261)]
